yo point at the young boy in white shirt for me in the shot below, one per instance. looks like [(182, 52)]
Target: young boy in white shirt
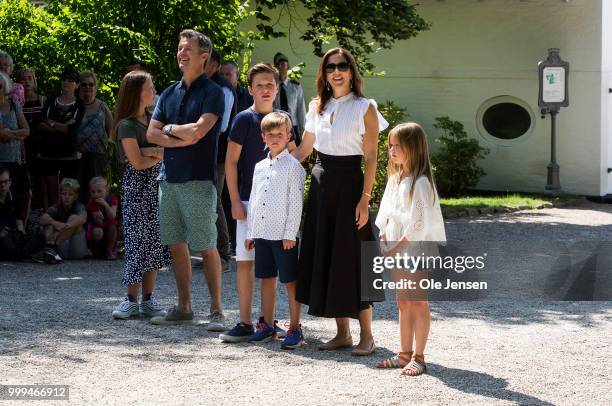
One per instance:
[(273, 221)]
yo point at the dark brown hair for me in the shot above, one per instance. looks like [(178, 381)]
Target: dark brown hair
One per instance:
[(128, 100), (325, 92), (262, 68)]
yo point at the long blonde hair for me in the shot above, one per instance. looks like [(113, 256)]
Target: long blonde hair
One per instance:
[(413, 141)]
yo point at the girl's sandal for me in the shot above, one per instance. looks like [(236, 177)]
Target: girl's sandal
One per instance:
[(397, 361), (416, 366)]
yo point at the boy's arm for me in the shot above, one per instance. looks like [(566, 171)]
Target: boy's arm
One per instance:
[(77, 220), (45, 220), (110, 210), (231, 178), (294, 202), (249, 213)]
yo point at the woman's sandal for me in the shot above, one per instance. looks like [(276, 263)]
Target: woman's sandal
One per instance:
[(416, 366), (397, 361)]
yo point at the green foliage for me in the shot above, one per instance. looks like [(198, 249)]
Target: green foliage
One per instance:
[(394, 115), (50, 39), (361, 26), (296, 71), (455, 164)]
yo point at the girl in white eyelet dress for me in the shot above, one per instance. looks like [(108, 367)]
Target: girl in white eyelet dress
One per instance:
[(410, 212)]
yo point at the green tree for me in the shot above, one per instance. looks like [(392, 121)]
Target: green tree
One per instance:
[(361, 26), (105, 35), (456, 162)]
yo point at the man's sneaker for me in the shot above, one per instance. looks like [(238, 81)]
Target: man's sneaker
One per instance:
[(239, 334), (217, 322), (173, 317), (125, 310), (295, 339), (150, 308), (279, 331), (264, 332)]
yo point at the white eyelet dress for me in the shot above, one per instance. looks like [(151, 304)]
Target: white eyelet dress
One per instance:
[(329, 270)]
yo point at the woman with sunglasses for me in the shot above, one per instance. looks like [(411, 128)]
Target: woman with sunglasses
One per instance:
[(343, 127), (92, 135)]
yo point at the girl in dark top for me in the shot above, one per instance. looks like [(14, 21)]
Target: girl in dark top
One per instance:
[(144, 253), (62, 116), (32, 111)]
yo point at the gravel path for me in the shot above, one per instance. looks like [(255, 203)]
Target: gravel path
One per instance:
[(55, 328)]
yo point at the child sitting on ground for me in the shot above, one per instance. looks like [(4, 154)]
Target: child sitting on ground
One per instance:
[(102, 224), (63, 222), (273, 221)]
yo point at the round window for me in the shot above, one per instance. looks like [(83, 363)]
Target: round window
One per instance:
[(504, 119)]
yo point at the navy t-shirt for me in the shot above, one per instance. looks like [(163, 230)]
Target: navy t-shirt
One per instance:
[(181, 105), (246, 131)]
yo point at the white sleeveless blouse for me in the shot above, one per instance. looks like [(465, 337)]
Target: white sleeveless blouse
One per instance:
[(339, 130)]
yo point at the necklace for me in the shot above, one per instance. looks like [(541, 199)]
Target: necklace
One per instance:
[(67, 103)]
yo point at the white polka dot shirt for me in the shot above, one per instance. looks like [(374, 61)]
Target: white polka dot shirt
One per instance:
[(275, 205)]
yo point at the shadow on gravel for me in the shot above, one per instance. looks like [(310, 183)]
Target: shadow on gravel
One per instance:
[(513, 313), (482, 384)]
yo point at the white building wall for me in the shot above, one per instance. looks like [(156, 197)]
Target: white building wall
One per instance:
[(477, 50), (606, 98)]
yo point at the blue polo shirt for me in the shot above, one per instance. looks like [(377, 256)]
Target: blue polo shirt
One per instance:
[(246, 131), (181, 105)]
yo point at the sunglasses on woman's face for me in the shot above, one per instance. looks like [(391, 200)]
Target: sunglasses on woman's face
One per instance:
[(342, 67), (87, 84)]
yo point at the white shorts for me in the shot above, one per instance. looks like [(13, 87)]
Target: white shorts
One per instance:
[(242, 254)]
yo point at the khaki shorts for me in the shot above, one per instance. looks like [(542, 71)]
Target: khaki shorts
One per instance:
[(188, 213)]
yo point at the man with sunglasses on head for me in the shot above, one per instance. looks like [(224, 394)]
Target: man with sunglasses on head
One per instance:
[(290, 97)]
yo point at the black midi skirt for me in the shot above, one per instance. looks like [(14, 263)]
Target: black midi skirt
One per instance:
[(329, 270)]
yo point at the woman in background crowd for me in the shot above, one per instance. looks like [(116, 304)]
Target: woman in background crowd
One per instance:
[(32, 110), (92, 135), (13, 130), (62, 116)]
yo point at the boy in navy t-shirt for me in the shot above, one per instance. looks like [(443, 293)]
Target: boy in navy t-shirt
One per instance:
[(245, 148)]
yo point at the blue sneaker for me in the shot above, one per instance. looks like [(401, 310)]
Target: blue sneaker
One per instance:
[(239, 334), (295, 339), (264, 332)]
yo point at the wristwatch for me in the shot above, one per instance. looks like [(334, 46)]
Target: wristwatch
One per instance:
[(168, 130)]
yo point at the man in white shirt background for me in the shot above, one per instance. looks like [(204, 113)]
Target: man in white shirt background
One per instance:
[(290, 97), (212, 72)]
